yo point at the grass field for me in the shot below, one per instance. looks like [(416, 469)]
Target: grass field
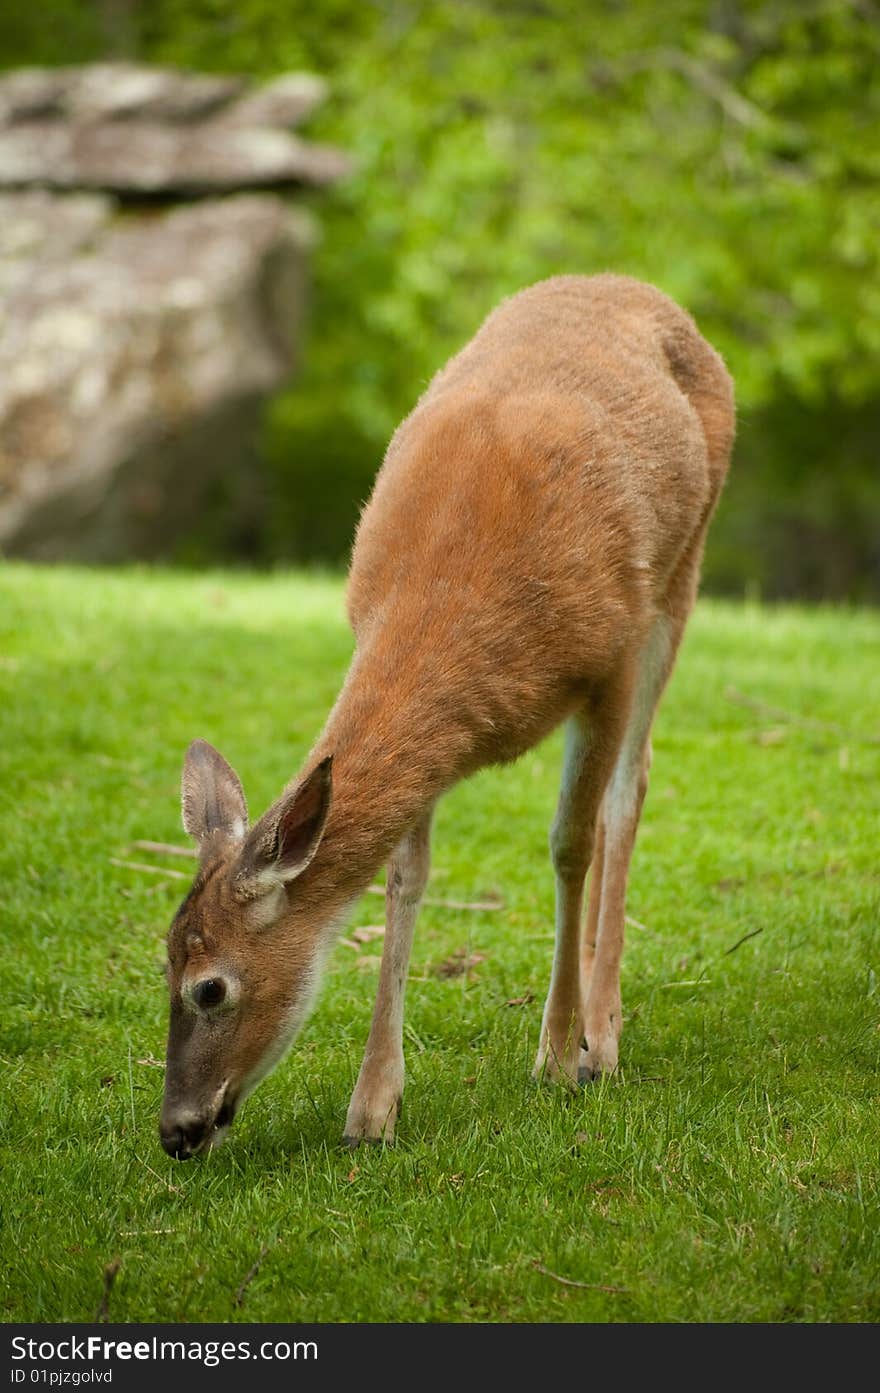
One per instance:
[(730, 1172)]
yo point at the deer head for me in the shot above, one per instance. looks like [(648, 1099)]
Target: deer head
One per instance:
[(242, 963)]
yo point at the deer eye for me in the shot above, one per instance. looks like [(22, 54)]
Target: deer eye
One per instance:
[(210, 992)]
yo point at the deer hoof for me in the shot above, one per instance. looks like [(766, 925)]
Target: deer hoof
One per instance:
[(373, 1126), (597, 1059), (352, 1143)]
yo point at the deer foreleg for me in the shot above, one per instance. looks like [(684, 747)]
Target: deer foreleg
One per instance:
[(375, 1103)]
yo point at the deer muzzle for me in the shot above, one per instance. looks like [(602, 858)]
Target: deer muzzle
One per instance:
[(184, 1133)]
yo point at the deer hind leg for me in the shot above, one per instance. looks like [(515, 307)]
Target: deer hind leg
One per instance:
[(592, 739), (375, 1102), (591, 930), (621, 810)]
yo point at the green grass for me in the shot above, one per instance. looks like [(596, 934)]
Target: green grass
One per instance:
[(730, 1172)]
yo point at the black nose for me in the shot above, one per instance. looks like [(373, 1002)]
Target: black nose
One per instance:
[(181, 1142)]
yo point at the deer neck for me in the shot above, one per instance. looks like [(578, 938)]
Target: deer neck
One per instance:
[(399, 739)]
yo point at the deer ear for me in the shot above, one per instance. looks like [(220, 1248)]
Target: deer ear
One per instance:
[(283, 842), (212, 797)]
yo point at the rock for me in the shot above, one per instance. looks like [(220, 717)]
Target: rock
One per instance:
[(147, 131), (133, 362), (113, 90), (125, 91), (35, 227), (30, 92), (284, 102), (139, 343), (150, 157)]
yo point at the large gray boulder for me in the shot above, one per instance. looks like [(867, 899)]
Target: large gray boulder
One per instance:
[(147, 131), (139, 342), (133, 360)]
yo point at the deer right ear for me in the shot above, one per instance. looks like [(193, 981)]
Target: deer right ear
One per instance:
[(281, 845), (212, 797)]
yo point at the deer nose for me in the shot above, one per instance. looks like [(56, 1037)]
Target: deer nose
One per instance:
[(182, 1141)]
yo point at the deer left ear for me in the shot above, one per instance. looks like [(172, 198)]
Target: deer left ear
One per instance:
[(283, 842), (212, 798)]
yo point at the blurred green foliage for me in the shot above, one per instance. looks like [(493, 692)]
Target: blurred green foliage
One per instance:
[(728, 152)]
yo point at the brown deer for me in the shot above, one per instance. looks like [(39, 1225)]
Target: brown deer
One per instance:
[(530, 555)]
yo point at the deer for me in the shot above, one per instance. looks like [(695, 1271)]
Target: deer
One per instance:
[(528, 559)]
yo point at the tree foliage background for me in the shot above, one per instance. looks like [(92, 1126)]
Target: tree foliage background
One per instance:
[(727, 151)]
